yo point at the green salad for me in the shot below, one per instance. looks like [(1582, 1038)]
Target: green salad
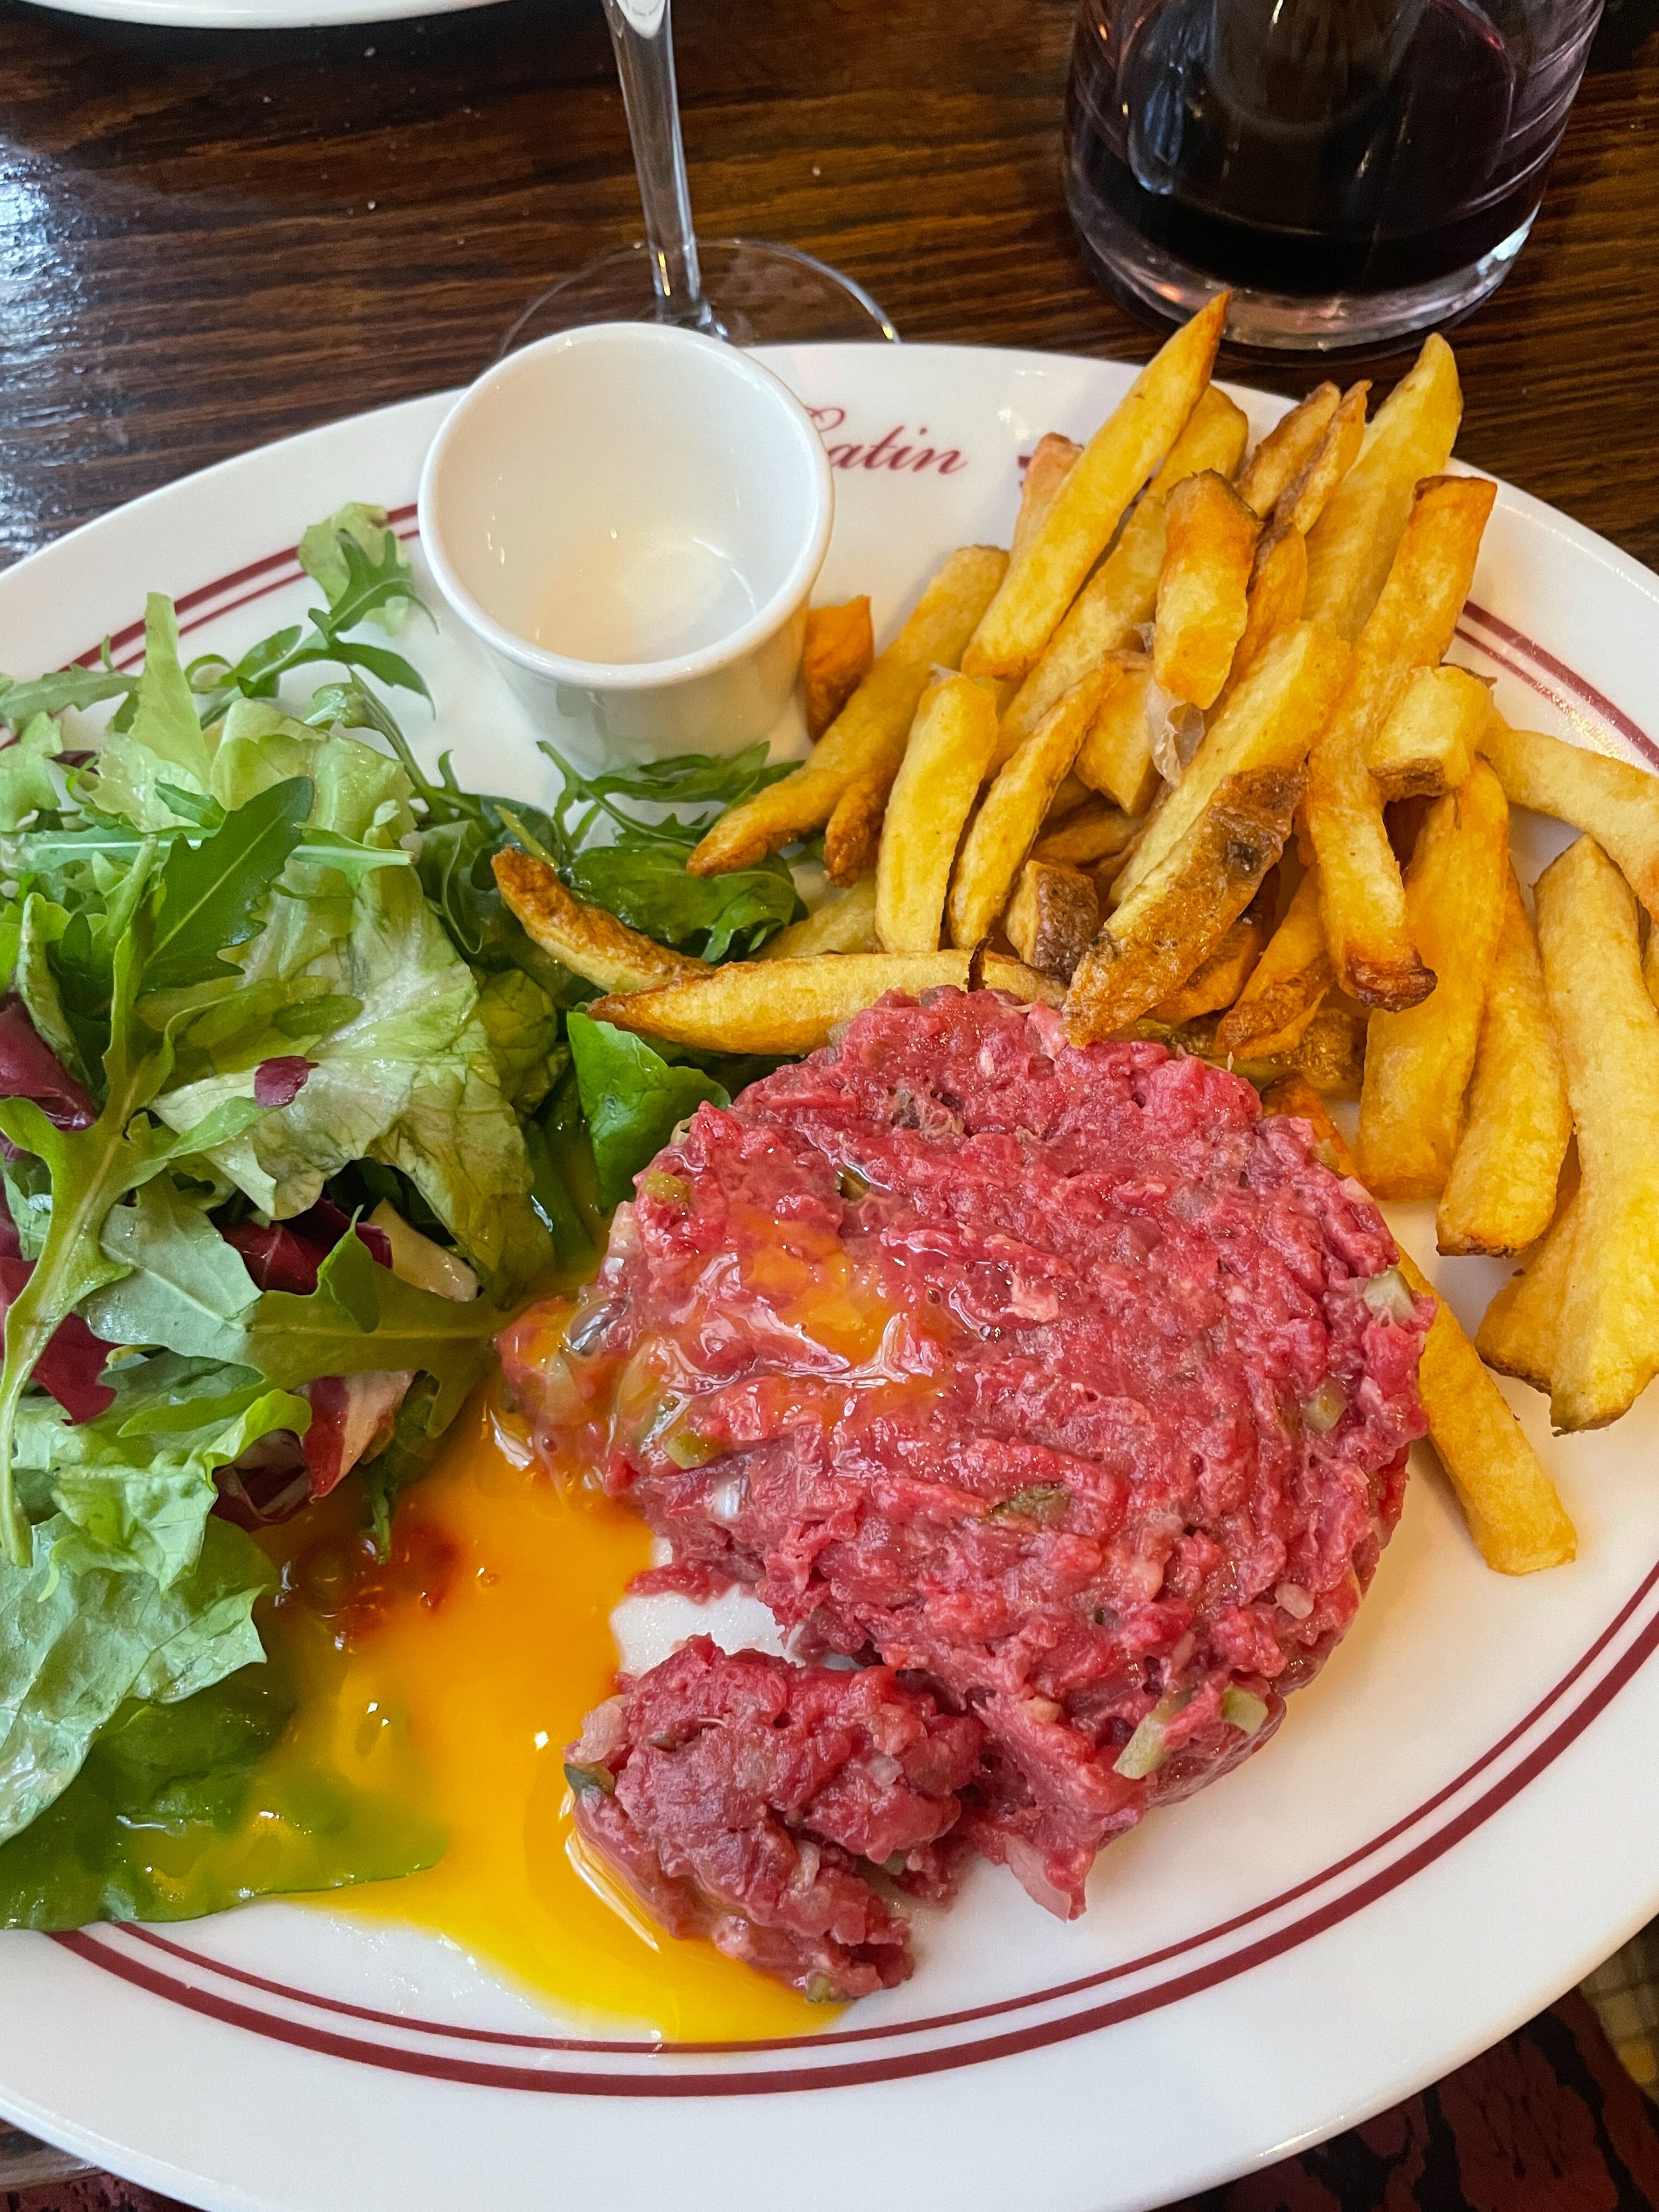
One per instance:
[(293, 1117)]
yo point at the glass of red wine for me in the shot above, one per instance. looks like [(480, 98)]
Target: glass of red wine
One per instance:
[(752, 291), (1357, 169)]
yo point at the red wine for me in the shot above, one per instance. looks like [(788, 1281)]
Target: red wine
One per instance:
[(1304, 147)]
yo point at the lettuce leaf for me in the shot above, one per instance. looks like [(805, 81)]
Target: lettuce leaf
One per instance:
[(184, 1287), (74, 1647), (185, 1809), (25, 782)]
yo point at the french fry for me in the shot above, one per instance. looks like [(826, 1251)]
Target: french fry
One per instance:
[(1072, 793), (1118, 460), (789, 1007), (1330, 1055), (1352, 543), (1268, 722), (1609, 1031), (1427, 740), (1418, 1063), (1286, 449), (1610, 800), (1216, 981), (1176, 917), (853, 831), (1010, 820), (1521, 1334), (1279, 585), (867, 736), (1047, 469), (1286, 985), (1051, 917), (840, 647), (1507, 1500), (948, 751), (1209, 545), (1116, 757), (1096, 832), (1122, 594), (1278, 578), (1500, 1196), (1305, 499), (585, 939), (1361, 896), (846, 922)]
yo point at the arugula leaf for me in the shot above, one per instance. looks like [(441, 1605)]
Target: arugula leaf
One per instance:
[(75, 1647), (19, 703), (91, 1169), (42, 927), (184, 1287), (322, 558), (361, 1318), (237, 1813), (633, 1099), (212, 893)]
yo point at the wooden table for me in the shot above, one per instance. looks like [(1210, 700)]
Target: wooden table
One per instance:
[(211, 240)]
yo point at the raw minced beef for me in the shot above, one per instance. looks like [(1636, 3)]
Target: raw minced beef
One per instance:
[(1044, 1374), (738, 1796)]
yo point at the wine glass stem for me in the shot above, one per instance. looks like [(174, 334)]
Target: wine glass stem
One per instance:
[(642, 33)]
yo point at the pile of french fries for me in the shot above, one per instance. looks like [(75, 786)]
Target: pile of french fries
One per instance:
[(1187, 762)]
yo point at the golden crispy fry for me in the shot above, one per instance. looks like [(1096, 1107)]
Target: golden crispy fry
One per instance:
[(949, 751), (790, 1006), (1279, 585), (1329, 1056), (1285, 987), (1094, 832), (1500, 1195), (1123, 454), (1610, 800), (1116, 757), (840, 646), (1427, 743), (1418, 1063), (1009, 822), (853, 830), (867, 736), (1609, 1033), (1363, 898), (1269, 721), (1287, 449), (1216, 981), (587, 940), (1507, 1501), (1176, 919), (846, 922), (1303, 501), (1122, 594), (1209, 545), (1051, 917), (1072, 794), (1047, 469), (1351, 546), (1521, 1334)]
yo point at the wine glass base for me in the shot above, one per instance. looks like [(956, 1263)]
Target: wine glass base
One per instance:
[(759, 293)]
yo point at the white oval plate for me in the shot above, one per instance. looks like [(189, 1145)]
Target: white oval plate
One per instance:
[(1455, 1823), (257, 15)]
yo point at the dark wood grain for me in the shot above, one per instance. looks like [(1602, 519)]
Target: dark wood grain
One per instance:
[(208, 241)]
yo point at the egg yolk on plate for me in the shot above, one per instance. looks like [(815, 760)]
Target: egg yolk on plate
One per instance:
[(452, 1677)]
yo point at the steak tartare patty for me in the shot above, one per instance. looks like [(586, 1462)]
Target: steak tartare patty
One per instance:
[(1055, 1378)]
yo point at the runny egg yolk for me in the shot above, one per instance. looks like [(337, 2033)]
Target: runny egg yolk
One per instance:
[(455, 1676)]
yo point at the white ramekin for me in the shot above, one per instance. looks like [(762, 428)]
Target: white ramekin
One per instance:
[(649, 429)]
